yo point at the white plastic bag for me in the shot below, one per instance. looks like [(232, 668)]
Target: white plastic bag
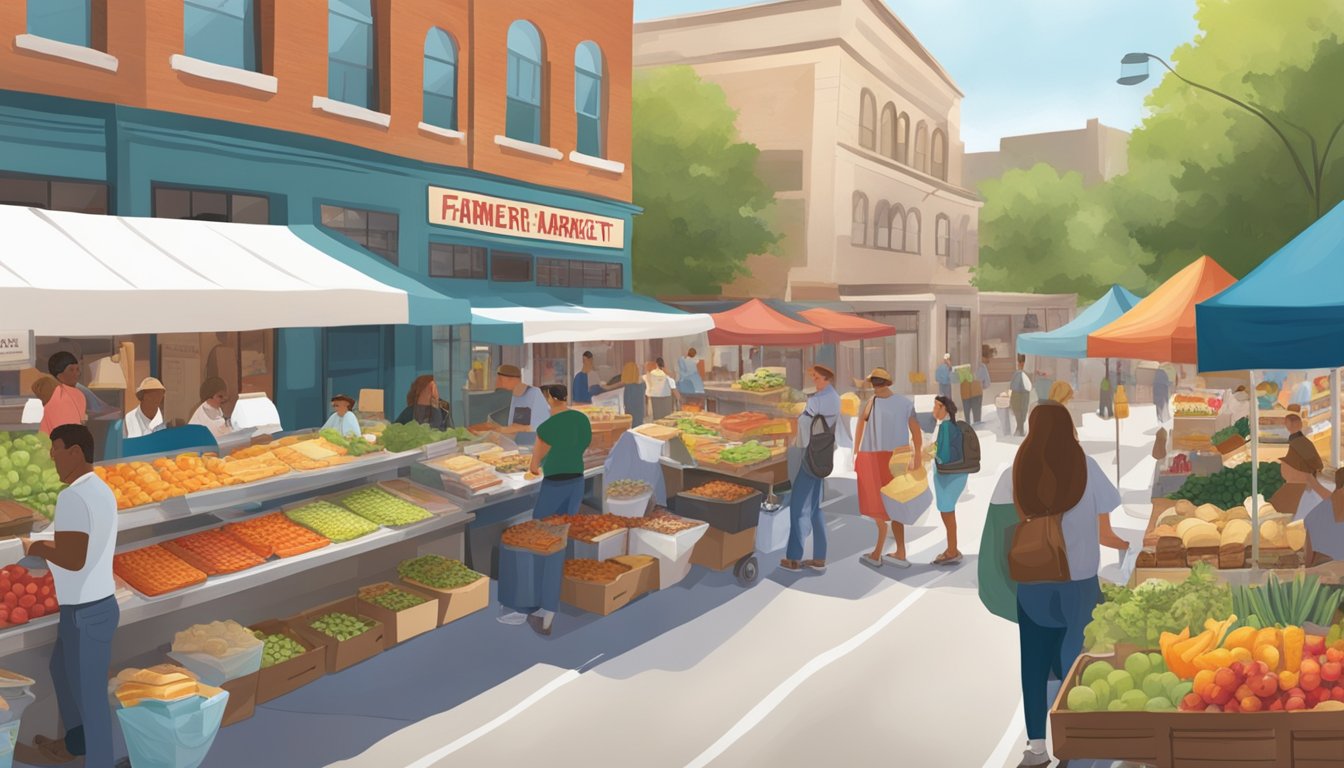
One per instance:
[(218, 670)]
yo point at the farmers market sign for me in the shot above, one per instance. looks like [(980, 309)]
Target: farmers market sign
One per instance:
[(16, 350), (497, 216)]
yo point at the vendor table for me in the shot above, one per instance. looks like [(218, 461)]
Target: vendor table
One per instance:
[(721, 398)]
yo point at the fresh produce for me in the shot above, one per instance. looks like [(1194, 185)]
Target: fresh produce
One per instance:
[(590, 527), (137, 483), (692, 427), (378, 506), (218, 639), (27, 596), (331, 521), (274, 534), (761, 381), (1142, 685), (356, 446), (1230, 487), (214, 552), (405, 437), (746, 453), (279, 649), (154, 570), (721, 491), (1185, 655), (1242, 429), (596, 571), (1139, 616), (1287, 604), (627, 489), (391, 598), (27, 474), (1195, 405), (437, 572), (534, 535), (341, 626)]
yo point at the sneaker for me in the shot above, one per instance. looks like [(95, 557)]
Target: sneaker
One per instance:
[(1033, 759), (791, 565), (513, 618), (541, 622)]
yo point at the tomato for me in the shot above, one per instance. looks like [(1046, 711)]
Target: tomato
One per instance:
[(51, 605), (4, 614), (11, 599), (27, 601), (38, 611), (31, 588), (19, 570), (45, 591), (18, 589), (18, 616)]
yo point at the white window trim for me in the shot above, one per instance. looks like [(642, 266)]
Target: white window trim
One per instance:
[(600, 163), (438, 130), (341, 109), (209, 70), (540, 150), (89, 57)]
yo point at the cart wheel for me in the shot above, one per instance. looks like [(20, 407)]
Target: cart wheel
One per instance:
[(747, 570)]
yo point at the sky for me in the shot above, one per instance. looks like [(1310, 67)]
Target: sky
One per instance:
[(1027, 66)]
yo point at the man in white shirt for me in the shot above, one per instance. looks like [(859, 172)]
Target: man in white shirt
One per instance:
[(80, 557), (147, 418), (211, 415), (658, 387)]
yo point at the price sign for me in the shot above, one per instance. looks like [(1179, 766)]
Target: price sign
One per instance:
[(18, 350)]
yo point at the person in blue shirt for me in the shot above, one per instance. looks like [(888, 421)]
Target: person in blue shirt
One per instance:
[(691, 375), (343, 420), (584, 390), (944, 376), (805, 497)]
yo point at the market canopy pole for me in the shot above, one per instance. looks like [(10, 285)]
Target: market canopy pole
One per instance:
[(1334, 417), (1255, 473)]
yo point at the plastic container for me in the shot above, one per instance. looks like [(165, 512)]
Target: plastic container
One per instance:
[(9, 735), (218, 670), (672, 550), (174, 735), (607, 546), (635, 507), (727, 516)]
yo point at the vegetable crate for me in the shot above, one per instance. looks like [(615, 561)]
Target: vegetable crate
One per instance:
[(1309, 739)]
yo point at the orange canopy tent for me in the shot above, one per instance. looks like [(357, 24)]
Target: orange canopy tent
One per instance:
[(756, 324), (1161, 327), (838, 326)]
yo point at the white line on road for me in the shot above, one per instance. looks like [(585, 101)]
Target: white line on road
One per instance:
[(818, 663), (1011, 738)]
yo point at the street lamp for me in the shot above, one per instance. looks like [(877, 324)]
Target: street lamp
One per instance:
[(1134, 70)]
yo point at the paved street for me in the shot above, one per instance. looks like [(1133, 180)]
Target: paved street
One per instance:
[(847, 667)]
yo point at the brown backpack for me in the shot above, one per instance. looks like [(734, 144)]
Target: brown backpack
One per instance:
[(1037, 552)]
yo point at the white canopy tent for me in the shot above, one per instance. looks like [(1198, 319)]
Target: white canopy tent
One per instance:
[(619, 317)]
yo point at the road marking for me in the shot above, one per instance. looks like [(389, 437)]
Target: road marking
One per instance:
[(818, 663), (1011, 739)]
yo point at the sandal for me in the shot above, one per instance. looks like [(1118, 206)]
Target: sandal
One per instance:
[(946, 559), (791, 565), (899, 562), (870, 561)]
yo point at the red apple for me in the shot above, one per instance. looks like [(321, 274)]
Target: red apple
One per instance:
[(1315, 645), (1264, 684), (1338, 693), (1331, 671), (1257, 668), (1251, 704), (1192, 702), (1310, 682), (1226, 678), (1294, 704), (1217, 694)]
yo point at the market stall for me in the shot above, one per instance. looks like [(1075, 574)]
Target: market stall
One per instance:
[(755, 324)]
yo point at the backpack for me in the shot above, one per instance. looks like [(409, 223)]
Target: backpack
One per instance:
[(819, 457), (1038, 552), (970, 453)]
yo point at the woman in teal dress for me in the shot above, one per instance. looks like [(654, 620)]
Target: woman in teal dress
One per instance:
[(947, 486)]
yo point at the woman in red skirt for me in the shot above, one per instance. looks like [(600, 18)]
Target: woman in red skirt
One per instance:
[(887, 423)]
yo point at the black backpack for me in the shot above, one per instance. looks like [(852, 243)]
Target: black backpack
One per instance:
[(819, 457), (970, 453)]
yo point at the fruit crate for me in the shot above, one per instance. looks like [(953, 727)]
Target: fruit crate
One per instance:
[(342, 654), (400, 626), (288, 676), (727, 516), (457, 602)]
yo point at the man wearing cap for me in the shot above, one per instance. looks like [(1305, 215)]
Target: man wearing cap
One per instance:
[(527, 406), (944, 376), (343, 419), (146, 418)]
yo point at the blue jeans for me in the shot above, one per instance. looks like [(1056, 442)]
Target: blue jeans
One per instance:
[(528, 581), (80, 663), (1050, 621), (558, 497), (805, 499)]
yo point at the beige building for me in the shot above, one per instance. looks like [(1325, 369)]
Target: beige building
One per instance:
[(859, 131), (1098, 152)]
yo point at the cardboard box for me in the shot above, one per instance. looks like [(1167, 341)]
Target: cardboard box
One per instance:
[(605, 599), (401, 626), (456, 603), (343, 654), (647, 566), (242, 701), (287, 676), (718, 550)]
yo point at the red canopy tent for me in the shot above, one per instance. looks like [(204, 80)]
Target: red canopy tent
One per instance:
[(755, 324), (838, 326)]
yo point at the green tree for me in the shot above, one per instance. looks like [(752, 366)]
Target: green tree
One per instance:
[(1045, 233), (705, 208)]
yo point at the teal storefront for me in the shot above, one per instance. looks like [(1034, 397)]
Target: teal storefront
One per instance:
[(152, 160)]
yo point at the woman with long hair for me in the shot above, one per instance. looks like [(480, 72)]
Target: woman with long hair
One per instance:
[(947, 486), (424, 406), (1052, 476)]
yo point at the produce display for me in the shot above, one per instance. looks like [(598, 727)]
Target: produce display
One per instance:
[(437, 572), (218, 639), (595, 571), (1228, 488), (27, 596), (137, 483), (1280, 604), (27, 474), (534, 535), (590, 527), (215, 552), (1142, 684), (1242, 429), (406, 437), (1139, 616), (391, 598), (1180, 465), (627, 489), (514, 465), (670, 525), (761, 381), (341, 626), (692, 427), (378, 506), (248, 466), (721, 491), (279, 648), (355, 446), (154, 570), (165, 682), (337, 524), (274, 534), (598, 413), (1195, 405), (747, 453)]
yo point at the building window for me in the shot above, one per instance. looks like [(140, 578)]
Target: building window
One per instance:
[(459, 261), (781, 169), (507, 267), (588, 97), (887, 134), (573, 273), (882, 225), (961, 243), (897, 227), (221, 31), (54, 194), (522, 120), (939, 155), (440, 85), (69, 21), (374, 230), (209, 205), (903, 138), (350, 53), (859, 231), (942, 235), (867, 118), (912, 232), (922, 148)]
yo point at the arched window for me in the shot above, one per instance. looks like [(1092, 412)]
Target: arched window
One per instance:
[(867, 120), (588, 97), (903, 138), (912, 232), (922, 148), (522, 120), (351, 76), (942, 234), (897, 228), (887, 134), (68, 21), (939, 155), (881, 225), (440, 79), (859, 232), (220, 31)]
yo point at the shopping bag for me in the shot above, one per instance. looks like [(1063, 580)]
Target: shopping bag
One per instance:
[(906, 486), (172, 735), (998, 591), (218, 670)]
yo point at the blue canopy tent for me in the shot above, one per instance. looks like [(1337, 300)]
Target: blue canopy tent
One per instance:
[(1069, 341)]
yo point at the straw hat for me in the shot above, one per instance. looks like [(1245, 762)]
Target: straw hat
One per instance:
[(879, 373), (824, 371), (150, 384)]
